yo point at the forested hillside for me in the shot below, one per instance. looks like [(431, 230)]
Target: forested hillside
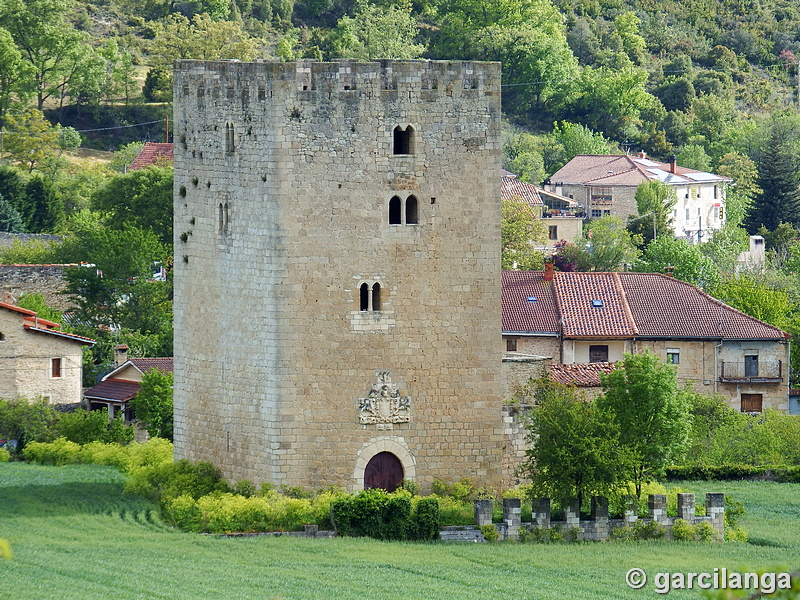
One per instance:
[(713, 81)]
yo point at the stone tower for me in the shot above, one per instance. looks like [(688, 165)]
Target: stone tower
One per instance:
[(337, 271)]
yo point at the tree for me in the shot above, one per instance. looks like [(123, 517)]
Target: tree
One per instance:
[(15, 74), (522, 155), (30, 138), (378, 32), (574, 446), (753, 297), (567, 140), (694, 156), (27, 421), (158, 84), (10, 220), (655, 202), (142, 198), (738, 196), (84, 426), (43, 211), (652, 414), (606, 245), (521, 230), (153, 404), (690, 264)]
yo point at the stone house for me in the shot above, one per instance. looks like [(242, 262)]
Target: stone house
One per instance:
[(39, 360), (606, 185), (592, 319), (120, 385), (337, 294)]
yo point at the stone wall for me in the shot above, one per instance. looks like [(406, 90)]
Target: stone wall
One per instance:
[(48, 280), (316, 325)]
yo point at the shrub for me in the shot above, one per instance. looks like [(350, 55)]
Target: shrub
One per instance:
[(5, 455), (184, 513), (374, 513), (58, 453), (490, 532), (426, 518), (245, 488), (683, 531), (83, 427), (648, 530), (456, 512), (163, 482), (27, 421), (624, 533), (705, 531), (113, 455)]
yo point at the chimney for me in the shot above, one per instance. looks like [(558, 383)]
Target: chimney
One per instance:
[(549, 271), (120, 355), (642, 154), (8, 295), (673, 160), (669, 271)]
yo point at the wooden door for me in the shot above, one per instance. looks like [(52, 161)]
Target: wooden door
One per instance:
[(752, 402), (383, 471)]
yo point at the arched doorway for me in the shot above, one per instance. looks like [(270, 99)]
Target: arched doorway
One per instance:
[(384, 471)]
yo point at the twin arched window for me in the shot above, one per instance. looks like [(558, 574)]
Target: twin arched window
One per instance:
[(370, 297), (397, 212), (403, 140)]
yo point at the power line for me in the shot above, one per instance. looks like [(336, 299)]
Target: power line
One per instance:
[(87, 130)]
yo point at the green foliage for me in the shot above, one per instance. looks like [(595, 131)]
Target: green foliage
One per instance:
[(705, 532), (648, 530), (30, 138), (754, 297), (158, 84), (245, 488), (606, 245), (5, 455), (124, 156), (574, 446), (57, 453), (652, 414), (164, 481), (521, 231), (377, 32), (683, 531), (36, 302), (688, 261), (427, 518), (153, 404), (377, 514), (26, 421), (129, 458), (567, 140), (522, 155), (654, 201), (536, 535), (83, 427), (10, 219), (490, 533)]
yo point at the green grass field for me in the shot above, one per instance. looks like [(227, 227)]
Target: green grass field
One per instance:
[(75, 535)]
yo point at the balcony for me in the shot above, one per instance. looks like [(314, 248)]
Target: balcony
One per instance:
[(752, 371)]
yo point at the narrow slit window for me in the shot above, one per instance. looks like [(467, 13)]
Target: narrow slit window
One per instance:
[(395, 211), (230, 138), (364, 297), (220, 218), (403, 140), (225, 219), (412, 217)]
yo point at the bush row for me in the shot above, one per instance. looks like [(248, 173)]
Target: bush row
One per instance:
[(128, 458), (376, 514), (784, 474)]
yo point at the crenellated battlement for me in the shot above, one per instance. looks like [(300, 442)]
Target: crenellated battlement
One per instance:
[(350, 78)]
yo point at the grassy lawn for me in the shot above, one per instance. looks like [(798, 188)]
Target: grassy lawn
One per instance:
[(74, 535)]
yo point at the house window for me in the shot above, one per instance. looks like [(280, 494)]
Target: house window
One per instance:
[(606, 212), (752, 403), (596, 214), (552, 232), (411, 211), (687, 214), (673, 356), (230, 139), (751, 365), (601, 194), (598, 353), (716, 192), (403, 140), (395, 211), (55, 367), (693, 192), (511, 344), (223, 219)]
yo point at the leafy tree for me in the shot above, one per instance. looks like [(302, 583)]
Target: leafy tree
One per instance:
[(522, 155), (158, 84), (521, 231), (142, 198), (574, 446), (30, 138), (153, 404), (654, 201), (652, 414), (378, 32), (14, 74), (83, 427), (746, 293), (724, 247), (27, 421), (123, 157), (694, 156), (606, 245), (43, 211), (739, 196), (10, 219), (567, 140), (690, 264), (37, 303), (626, 25)]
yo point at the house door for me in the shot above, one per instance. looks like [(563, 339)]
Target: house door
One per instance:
[(751, 365), (751, 403), (383, 471)]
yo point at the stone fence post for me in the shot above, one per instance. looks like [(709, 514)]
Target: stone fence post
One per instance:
[(631, 510), (541, 513), (572, 514), (715, 508), (483, 512), (657, 507), (512, 517), (686, 507)]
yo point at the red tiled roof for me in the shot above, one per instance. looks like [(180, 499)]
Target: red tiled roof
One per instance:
[(635, 305), (610, 170), (581, 375), (116, 390), (593, 304), (512, 188), (152, 153), (30, 322), (521, 314), (145, 364), (667, 307)]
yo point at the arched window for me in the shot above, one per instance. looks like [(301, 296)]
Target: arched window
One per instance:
[(395, 211), (376, 296), (220, 218), (225, 220), (230, 145), (403, 140), (411, 211), (364, 296)]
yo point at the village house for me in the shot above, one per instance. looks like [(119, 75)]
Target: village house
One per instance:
[(585, 322), (120, 385), (606, 185), (39, 360)]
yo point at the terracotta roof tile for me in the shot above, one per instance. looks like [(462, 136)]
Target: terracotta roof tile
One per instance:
[(145, 364), (152, 153), (117, 390), (613, 169), (520, 312), (581, 375), (593, 305), (512, 188)]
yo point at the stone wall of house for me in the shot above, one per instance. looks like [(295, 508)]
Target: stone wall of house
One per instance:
[(285, 175), (545, 346), (26, 358), (566, 228), (48, 280)]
